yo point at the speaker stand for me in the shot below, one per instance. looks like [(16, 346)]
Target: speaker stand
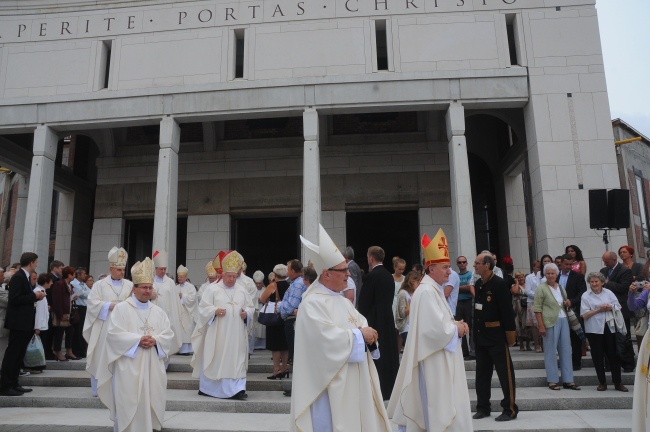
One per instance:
[(605, 238)]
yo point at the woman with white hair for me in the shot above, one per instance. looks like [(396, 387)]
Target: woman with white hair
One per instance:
[(276, 341), (549, 307)]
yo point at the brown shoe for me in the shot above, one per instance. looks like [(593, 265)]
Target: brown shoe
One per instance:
[(601, 387), (621, 388)]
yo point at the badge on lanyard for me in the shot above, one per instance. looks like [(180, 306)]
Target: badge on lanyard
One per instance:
[(478, 306)]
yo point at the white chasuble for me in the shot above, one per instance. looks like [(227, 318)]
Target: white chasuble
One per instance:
[(104, 293), (189, 312), (430, 393), (168, 299), (326, 379), (220, 343), (641, 401), (135, 388)]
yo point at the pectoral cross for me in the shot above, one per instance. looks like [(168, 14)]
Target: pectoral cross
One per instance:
[(232, 303), (146, 329)]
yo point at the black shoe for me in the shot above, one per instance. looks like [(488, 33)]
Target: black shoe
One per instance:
[(577, 368), (240, 396), (505, 417), (287, 393), (22, 389), (470, 357), (10, 392), (480, 415), (628, 370)]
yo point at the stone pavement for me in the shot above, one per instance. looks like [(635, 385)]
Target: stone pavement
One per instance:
[(61, 401)]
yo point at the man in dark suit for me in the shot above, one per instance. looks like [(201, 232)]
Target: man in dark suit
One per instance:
[(20, 323), (619, 279), (376, 304), (575, 286)]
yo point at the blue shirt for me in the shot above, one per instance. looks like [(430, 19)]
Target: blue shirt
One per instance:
[(292, 297), (82, 290), (465, 279)]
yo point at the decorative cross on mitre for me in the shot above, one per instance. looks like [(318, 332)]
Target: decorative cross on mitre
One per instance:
[(142, 272), (117, 258), (323, 256), (436, 251), (232, 262)]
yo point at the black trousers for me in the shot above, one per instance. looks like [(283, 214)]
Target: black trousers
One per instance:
[(79, 344), (464, 310), (576, 348), (13, 359), (46, 338), (627, 359), (604, 345), (58, 337), (290, 333), (489, 358)]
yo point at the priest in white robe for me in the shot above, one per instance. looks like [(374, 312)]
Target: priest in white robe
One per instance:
[(220, 340), (167, 296), (103, 298), (430, 392), (189, 309), (212, 278), (335, 384), (134, 385), (258, 331)]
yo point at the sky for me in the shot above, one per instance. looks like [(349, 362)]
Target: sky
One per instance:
[(625, 37)]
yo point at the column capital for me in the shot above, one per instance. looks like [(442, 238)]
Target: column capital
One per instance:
[(455, 120), (45, 142), (170, 134), (310, 124)]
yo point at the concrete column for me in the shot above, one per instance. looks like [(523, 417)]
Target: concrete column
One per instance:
[(36, 236), (64, 222), (311, 216), (164, 225), (461, 190), (19, 220)]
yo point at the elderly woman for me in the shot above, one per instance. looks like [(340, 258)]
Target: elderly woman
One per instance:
[(595, 304), (276, 340), (550, 300), (520, 306)]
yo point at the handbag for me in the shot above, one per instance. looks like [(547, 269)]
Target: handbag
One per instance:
[(574, 323), (74, 313), (524, 302), (271, 319), (34, 356)]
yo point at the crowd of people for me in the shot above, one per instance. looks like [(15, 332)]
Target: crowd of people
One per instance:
[(327, 316)]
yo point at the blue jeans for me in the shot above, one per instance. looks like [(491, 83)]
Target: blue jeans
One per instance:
[(558, 341)]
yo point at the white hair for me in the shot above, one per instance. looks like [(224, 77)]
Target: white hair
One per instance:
[(280, 270), (553, 267), (258, 276)]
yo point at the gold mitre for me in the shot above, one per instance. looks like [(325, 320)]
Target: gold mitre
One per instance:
[(323, 256), (436, 251), (142, 272), (182, 271), (117, 258), (160, 258), (210, 270), (232, 262)]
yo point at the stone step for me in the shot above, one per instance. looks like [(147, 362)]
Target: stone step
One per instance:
[(528, 399), (96, 420), (259, 382)]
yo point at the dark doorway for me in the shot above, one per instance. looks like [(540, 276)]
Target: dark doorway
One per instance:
[(266, 241), (139, 242), (485, 206), (397, 232)]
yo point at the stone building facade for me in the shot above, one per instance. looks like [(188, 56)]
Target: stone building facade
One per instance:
[(208, 125)]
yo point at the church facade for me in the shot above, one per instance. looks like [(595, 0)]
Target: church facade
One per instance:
[(196, 126)]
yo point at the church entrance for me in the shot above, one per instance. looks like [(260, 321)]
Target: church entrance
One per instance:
[(397, 232), (266, 241)]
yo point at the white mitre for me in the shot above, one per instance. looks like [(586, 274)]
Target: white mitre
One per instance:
[(323, 256), (142, 272), (182, 270), (258, 276), (160, 259), (117, 258)]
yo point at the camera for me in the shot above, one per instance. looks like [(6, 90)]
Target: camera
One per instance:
[(640, 284)]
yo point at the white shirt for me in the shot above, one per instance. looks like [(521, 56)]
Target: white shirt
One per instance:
[(557, 293), (592, 301), (454, 281)]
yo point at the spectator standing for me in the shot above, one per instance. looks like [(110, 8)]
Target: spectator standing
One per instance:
[(82, 291), (465, 306), (618, 280), (43, 282), (355, 271), (291, 300), (596, 306), (579, 264), (276, 340), (575, 286), (62, 297), (19, 320), (520, 306), (399, 265), (411, 282)]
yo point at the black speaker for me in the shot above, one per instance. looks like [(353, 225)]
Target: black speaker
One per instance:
[(618, 208), (598, 208)]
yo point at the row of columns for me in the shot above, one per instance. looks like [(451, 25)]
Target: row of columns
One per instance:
[(39, 198)]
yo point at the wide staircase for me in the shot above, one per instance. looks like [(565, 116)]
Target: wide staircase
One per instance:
[(62, 401)]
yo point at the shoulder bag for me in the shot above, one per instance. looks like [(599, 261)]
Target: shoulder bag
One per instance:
[(271, 318)]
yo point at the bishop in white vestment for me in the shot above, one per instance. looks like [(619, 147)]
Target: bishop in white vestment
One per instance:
[(335, 385), (220, 340), (168, 297), (212, 278), (189, 309), (139, 337), (106, 293), (430, 392)]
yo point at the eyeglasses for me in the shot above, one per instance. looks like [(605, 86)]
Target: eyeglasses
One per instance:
[(343, 270), (461, 262)]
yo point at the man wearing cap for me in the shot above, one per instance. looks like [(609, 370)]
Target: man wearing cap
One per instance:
[(168, 297), (106, 293), (430, 393), (134, 385), (189, 308), (220, 340), (335, 380), (212, 278)]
